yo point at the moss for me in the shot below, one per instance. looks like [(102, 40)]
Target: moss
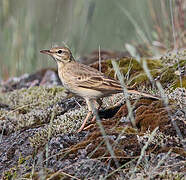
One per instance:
[(96, 147), (138, 66), (46, 173), (151, 116), (142, 78), (178, 84), (181, 63), (168, 76), (109, 63), (34, 107), (152, 63), (126, 64), (21, 160), (162, 69), (10, 174), (127, 130)]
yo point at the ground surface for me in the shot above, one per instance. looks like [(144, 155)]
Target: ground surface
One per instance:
[(39, 122)]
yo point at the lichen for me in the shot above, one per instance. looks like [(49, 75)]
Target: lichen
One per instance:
[(33, 98), (29, 107), (69, 122), (48, 113), (173, 57), (113, 100)]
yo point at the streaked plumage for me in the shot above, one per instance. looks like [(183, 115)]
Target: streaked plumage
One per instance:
[(84, 80)]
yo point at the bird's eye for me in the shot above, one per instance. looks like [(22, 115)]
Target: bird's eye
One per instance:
[(60, 51)]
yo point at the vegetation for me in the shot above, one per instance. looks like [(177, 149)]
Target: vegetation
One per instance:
[(39, 121), (28, 26)]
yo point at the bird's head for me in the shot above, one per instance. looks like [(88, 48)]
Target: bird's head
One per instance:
[(59, 54)]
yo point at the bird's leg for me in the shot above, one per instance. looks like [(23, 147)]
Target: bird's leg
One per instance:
[(84, 122), (99, 106), (88, 115)]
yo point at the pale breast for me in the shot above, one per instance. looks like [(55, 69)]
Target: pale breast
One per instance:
[(65, 81), (87, 93)]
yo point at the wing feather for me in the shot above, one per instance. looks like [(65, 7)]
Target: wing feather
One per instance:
[(90, 78)]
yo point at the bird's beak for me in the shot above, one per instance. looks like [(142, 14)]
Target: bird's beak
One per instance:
[(46, 52)]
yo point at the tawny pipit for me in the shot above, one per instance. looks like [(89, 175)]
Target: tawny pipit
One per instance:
[(84, 80)]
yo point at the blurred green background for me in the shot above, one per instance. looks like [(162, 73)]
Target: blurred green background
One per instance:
[(27, 26)]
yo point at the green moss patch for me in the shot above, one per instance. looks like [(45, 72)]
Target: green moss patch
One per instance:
[(164, 69)]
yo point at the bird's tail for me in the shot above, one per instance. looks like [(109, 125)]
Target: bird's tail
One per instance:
[(143, 94)]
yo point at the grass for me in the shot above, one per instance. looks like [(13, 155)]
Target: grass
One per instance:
[(25, 30), (24, 36)]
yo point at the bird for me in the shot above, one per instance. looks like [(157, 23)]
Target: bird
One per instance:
[(85, 81)]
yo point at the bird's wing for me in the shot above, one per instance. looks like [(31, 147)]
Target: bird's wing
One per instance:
[(87, 77), (90, 78)]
